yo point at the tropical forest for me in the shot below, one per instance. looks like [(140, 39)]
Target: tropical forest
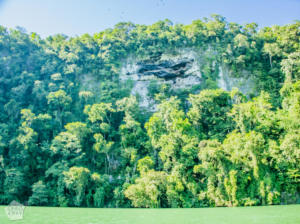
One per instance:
[(151, 116)]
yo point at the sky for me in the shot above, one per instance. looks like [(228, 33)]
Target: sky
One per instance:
[(76, 17)]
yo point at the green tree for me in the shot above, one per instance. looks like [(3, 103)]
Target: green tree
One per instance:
[(148, 190), (76, 180), (59, 101), (209, 113), (39, 194)]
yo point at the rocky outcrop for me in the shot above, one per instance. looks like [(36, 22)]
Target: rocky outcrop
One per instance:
[(180, 70), (244, 83), (165, 69)]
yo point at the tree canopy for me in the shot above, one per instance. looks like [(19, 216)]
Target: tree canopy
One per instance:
[(72, 134)]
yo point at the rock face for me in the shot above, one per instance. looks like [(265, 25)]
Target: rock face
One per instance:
[(244, 83), (165, 69), (180, 70)]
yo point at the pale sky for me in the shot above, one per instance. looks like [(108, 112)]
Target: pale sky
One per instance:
[(75, 17)]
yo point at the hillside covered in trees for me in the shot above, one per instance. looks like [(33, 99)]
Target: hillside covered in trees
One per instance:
[(72, 133)]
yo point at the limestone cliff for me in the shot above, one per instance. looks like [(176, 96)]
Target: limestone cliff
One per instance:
[(181, 70)]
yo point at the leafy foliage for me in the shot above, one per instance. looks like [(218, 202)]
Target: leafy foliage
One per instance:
[(71, 134)]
